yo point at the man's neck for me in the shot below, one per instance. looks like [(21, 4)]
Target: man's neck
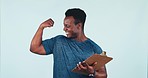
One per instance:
[(81, 38)]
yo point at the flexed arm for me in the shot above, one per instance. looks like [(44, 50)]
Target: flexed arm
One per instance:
[(36, 43)]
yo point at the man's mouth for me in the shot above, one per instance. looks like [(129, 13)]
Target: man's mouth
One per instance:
[(67, 33)]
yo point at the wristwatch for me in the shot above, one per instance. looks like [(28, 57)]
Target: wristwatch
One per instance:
[(92, 75)]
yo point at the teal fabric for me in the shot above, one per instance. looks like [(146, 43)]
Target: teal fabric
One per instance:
[(68, 53)]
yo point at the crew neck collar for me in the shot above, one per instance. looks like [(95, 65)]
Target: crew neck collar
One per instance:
[(80, 41)]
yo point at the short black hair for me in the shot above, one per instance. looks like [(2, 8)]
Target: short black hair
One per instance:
[(78, 14)]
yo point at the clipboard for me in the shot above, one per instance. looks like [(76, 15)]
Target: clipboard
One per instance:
[(101, 60)]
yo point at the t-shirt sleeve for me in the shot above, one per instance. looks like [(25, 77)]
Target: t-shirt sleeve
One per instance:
[(48, 45), (97, 48)]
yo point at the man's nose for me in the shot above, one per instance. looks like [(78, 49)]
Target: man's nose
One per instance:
[(64, 29)]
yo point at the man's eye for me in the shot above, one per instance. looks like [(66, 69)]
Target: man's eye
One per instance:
[(67, 26)]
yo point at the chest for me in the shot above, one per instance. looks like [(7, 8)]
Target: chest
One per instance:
[(73, 51)]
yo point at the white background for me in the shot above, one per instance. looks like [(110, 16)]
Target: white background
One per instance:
[(118, 26)]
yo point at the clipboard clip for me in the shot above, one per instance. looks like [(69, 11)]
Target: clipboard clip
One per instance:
[(103, 53)]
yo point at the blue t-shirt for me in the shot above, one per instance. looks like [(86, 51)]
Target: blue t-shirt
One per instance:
[(68, 53)]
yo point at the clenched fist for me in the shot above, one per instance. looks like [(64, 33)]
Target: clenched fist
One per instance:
[(47, 23)]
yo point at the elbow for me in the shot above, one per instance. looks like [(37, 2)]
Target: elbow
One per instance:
[(32, 49)]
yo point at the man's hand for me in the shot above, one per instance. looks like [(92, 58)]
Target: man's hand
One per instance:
[(86, 68), (90, 69), (47, 23)]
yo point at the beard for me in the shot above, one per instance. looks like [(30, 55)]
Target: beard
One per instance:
[(72, 35)]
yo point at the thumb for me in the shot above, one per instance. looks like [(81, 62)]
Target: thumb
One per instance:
[(95, 63)]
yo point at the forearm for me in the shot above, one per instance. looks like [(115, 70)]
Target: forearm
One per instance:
[(37, 39), (101, 75)]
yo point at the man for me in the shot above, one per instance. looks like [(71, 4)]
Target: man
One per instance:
[(70, 51)]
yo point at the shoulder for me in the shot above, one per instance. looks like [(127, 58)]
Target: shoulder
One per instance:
[(95, 46), (92, 43)]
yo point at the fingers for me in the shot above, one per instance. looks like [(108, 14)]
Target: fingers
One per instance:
[(87, 65), (47, 23), (95, 63), (80, 66), (90, 68), (83, 66), (50, 22)]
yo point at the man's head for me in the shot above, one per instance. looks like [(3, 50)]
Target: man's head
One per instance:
[(74, 22), (78, 14)]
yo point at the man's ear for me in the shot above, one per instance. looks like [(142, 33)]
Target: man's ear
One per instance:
[(79, 26)]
